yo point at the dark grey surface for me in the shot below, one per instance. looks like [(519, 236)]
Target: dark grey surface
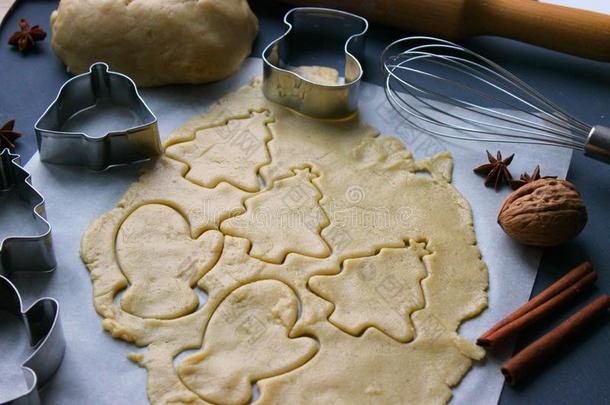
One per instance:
[(582, 374)]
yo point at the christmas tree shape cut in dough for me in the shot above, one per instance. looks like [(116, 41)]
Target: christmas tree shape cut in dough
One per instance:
[(283, 219), (245, 341), (378, 291), (231, 153), (162, 263)]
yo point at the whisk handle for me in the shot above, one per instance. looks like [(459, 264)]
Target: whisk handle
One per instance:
[(598, 143)]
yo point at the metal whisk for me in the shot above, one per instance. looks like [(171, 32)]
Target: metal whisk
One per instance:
[(447, 90)]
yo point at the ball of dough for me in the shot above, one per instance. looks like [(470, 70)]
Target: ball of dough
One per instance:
[(155, 42)]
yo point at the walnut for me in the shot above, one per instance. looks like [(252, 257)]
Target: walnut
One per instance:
[(546, 212)]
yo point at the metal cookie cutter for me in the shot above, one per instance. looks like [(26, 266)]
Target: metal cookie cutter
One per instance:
[(315, 36), (92, 102), (24, 253), (46, 337)]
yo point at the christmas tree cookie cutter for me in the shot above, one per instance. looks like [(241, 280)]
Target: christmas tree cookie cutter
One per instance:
[(32, 253), (316, 37), (61, 140)]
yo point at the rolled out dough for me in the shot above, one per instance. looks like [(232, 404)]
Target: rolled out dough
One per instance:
[(334, 272)]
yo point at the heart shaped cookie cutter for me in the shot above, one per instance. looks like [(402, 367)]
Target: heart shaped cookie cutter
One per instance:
[(314, 38), (24, 253), (43, 325), (61, 140)]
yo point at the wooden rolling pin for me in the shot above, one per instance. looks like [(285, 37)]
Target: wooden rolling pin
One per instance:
[(570, 30)]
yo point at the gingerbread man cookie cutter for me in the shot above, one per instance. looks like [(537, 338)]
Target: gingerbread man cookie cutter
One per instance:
[(62, 139), (313, 39), (43, 326)]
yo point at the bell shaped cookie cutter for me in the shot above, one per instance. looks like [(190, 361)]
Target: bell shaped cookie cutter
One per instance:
[(24, 253), (46, 337), (87, 93), (314, 38)]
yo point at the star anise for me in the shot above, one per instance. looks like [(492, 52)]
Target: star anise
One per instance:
[(26, 38), (7, 135), (496, 170), (526, 178)]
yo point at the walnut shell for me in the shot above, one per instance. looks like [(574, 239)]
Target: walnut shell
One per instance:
[(545, 212)]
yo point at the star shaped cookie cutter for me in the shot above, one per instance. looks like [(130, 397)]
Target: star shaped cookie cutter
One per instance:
[(43, 325), (24, 253), (314, 38), (97, 94)]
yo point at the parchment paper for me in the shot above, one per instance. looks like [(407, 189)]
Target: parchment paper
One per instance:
[(95, 369)]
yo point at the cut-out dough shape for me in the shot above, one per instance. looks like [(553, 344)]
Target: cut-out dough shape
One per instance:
[(233, 152), (247, 340), (162, 262), (283, 219), (380, 291)]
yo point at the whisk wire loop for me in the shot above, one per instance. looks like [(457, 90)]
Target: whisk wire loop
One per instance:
[(484, 78), (447, 90), (497, 114)]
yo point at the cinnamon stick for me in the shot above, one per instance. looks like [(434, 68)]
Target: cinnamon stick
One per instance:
[(538, 353), (511, 329), (568, 280)]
